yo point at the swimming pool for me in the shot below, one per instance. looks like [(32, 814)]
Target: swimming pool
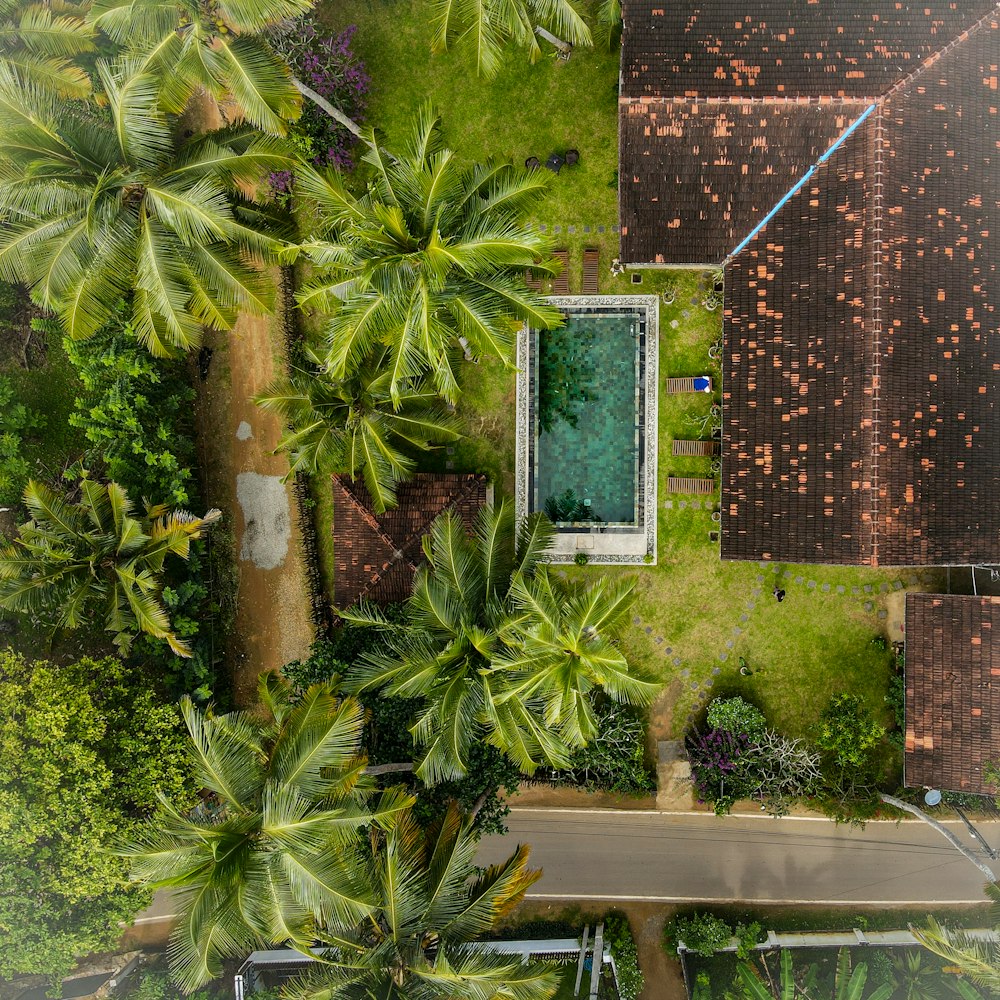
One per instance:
[(587, 427)]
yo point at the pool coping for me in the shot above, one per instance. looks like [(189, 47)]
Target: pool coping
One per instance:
[(636, 547)]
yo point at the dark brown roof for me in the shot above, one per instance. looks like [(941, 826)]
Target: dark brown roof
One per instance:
[(377, 554), (872, 294), (795, 401), (783, 48), (725, 104), (696, 178), (952, 691)]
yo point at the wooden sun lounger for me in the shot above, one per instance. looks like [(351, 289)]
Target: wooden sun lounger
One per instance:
[(698, 449), (591, 264), (560, 283), (675, 385), (534, 283), (678, 484)]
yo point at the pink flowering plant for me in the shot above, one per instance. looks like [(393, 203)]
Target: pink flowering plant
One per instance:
[(327, 64)]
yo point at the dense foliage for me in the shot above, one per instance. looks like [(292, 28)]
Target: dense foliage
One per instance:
[(851, 741), (16, 423), (618, 938), (615, 760), (85, 748)]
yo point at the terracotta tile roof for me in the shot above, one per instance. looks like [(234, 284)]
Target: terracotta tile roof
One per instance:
[(795, 409), (876, 286), (722, 102), (695, 178), (376, 555), (952, 691), (783, 48)]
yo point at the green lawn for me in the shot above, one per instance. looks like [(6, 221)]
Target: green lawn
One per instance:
[(705, 613)]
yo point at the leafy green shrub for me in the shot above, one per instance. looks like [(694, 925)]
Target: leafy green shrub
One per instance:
[(703, 933), (615, 761), (736, 716), (618, 938), (157, 985), (16, 423), (896, 700), (136, 414), (747, 936)]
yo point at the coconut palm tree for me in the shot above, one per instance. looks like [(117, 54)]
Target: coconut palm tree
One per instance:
[(498, 649), (191, 45), (977, 960), (100, 207), (432, 902), (352, 425), (428, 260), (38, 42), (274, 854), (72, 560), (487, 27)]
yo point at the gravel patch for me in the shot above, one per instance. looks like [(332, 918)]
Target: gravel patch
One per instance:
[(264, 502), (244, 432)]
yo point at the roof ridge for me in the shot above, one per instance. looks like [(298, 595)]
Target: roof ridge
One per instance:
[(823, 101), (935, 57), (876, 323)]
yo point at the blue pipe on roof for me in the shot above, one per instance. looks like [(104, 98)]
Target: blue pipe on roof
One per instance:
[(798, 184)]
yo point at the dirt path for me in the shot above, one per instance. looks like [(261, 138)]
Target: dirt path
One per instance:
[(243, 477)]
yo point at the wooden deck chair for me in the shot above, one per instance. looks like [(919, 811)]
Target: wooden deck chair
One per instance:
[(680, 484), (560, 283), (591, 264), (699, 383), (696, 449)]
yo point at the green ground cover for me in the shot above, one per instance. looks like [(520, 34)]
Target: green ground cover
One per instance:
[(697, 615)]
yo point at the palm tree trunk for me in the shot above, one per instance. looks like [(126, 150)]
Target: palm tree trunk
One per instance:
[(376, 769), (944, 831), (564, 47), (323, 103)]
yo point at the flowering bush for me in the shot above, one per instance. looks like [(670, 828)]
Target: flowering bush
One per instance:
[(328, 65)]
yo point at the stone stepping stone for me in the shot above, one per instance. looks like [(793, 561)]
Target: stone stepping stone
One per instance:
[(883, 614), (682, 504), (674, 324), (825, 588), (869, 605), (737, 630), (751, 605), (669, 504), (694, 300), (756, 592), (897, 584), (868, 588), (799, 579), (811, 584), (636, 620), (659, 639), (686, 313), (677, 661), (667, 651), (716, 671), (723, 657), (586, 229), (787, 573), (841, 588), (884, 588), (557, 229), (730, 644), (449, 464), (686, 672), (695, 685), (648, 630), (616, 229), (744, 618), (542, 228)]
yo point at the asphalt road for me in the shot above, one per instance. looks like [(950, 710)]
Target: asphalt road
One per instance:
[(673, 858)]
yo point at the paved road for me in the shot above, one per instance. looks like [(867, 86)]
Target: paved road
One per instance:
[(662, 857)]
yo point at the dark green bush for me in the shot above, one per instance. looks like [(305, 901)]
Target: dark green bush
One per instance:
[(702, 933), (618, 938)]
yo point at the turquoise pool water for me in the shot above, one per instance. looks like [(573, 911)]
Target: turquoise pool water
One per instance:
[(587, 418)]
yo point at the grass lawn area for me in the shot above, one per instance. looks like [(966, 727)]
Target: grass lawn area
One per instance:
[(696, 614)]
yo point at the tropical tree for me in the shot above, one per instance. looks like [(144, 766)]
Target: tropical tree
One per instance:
[(499, 649), (274, 855), (190, 45), (428, 260), (431, 903), (102, 206), (353, 425), (72, 559), (849, 983), (487, 27), (976, 959), (38, 42)]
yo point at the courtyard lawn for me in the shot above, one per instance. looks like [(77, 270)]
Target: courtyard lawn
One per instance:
[(696, 614)]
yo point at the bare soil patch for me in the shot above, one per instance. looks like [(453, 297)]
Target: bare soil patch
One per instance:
[(547, 796)]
